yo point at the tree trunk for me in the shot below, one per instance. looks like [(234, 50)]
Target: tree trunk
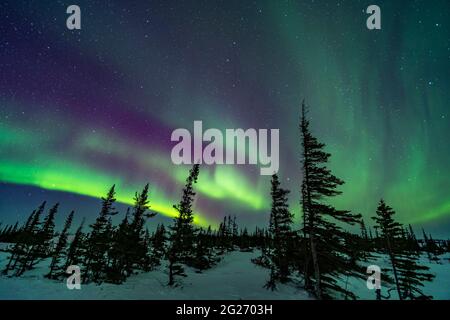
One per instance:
[(394, 268), (317, 287)]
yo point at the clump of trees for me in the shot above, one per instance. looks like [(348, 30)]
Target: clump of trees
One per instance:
[(322, 252)]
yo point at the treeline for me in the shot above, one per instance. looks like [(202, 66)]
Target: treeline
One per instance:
[(322, 252)]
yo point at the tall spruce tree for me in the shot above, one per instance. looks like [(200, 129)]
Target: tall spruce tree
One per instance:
[(60, 248), (390, 230), (119, 253), (183, 232), (47, 233), (280, 251), (99, 242), (328, 249), (76, 251), (138, 251)]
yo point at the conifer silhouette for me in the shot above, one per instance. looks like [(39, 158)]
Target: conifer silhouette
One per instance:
[(328, 261), (99, 241), (281, 235), (25, 239), (408, 274), (183, 232), (60, 248), (76, 252)]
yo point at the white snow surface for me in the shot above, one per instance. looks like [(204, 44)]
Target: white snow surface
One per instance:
[(235, 277)]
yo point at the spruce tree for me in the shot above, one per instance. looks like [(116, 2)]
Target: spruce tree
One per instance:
[(37, 241), (363, 230), (224, 235), (25, 239), (138, 251), (158, 245), (47, 234), (280, 251), (99, 241), (147, 264), (412, 276), (202, 256), (328, 249), (19, 242), (244, 241), (429, 246), (235, 230), (408, 274), (183, 232), (413, 244), (60, 248), (119, 253), (390, 230), (76, 249), (362, 245)]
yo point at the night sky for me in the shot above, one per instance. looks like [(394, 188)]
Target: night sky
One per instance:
[(81, 110)]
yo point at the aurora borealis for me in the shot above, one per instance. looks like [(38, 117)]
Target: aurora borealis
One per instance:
[(82, 110)]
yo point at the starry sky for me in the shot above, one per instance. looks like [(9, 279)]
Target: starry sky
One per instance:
[(81, 110)]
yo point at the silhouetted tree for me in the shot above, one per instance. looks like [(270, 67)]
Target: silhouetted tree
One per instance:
[(47, 234), (60, 248), (25, 240), (138, 252), (361, 244), (327, 242), (76, 249), (280, 250), (412, 243), (390, 229), (183, 232), (119, 254), (41, 243), (203, 258), (158, 245), (408, 274), (429, 246), (99, 241)]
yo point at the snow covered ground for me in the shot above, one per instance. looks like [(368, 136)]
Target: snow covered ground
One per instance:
[(439, 288), (235, 277)]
